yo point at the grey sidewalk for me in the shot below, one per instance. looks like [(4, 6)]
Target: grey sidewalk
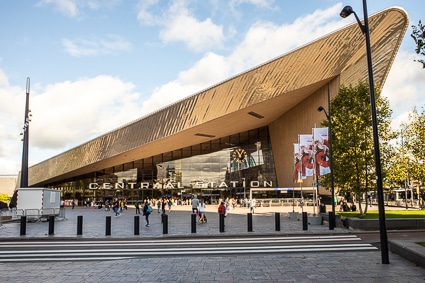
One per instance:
[(298, 267)]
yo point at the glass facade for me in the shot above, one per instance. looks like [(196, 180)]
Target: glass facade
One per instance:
[(225, 167)]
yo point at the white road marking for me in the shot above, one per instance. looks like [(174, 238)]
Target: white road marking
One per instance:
[(76, 251)]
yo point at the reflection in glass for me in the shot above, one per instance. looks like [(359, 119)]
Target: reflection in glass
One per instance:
[(208, 170)]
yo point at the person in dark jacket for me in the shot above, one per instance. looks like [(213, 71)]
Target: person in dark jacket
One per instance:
[(147, 209), (137, 205)]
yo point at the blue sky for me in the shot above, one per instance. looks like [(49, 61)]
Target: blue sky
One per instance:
[(96, 65)]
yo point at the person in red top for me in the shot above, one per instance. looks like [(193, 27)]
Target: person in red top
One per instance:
[(221, 208)]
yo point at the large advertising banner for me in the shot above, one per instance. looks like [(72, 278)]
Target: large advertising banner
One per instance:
[(297, 163), (306, 153), (321, 151)]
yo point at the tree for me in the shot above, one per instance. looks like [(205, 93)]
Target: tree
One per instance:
[(398, 170), (399, 165), (352, 139), (413, 145), (418, 35), (4, 197)]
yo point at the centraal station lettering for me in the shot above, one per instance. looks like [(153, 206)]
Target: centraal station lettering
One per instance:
[(178, 185)]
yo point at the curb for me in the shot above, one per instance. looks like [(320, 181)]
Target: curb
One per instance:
[(410, 250)]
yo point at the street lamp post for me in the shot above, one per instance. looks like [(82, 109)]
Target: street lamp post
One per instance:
[(25, 139), (328, 116), (347, 11)]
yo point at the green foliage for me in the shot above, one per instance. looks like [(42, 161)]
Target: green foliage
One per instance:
[(4, 197), (412, 147), (418, 35), (67, 195), (352, 138), (398, 167)]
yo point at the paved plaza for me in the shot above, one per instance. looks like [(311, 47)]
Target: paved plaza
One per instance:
[(179, 223), (362, 266)]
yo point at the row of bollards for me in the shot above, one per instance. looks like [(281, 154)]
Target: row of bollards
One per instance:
[(221, 222), (249, 224), (79, 225), (164, 221), (23, 225), (108, 226), (136, 225), (51, 219), (332, 222), (305, 221), (193, 223)]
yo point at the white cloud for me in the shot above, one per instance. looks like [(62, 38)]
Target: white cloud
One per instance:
[(144, 15), (212, 68), (66, 7), (12, 109), (80, 47), (258, 3), (198, 35), (68, 113), (179, 25), (404, 87), (73, 8), (4, 80)]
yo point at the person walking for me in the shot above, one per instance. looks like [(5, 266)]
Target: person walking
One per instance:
[(107, 205), (163, 205), (147, 209), (137, 207), (169, 203), (158, 205), (222, 208), (251, 205), (195, 204), (116, 208), (202, 217), (121, 206)]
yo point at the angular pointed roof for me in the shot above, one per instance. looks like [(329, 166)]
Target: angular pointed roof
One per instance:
[(249, 100)]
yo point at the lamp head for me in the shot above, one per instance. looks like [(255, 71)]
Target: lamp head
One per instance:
[(348, 10), (320, 108)]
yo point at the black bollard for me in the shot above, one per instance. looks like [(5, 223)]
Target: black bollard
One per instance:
[(221, 222), (164, 219), (51, 224), (331, 220), (136, 225), (305, 221), (277, 221), (193, 222), (249, 218), (108, 226), (79, 225), (23, 225)]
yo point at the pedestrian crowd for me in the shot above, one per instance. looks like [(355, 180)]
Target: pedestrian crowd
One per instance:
[(164, 205)]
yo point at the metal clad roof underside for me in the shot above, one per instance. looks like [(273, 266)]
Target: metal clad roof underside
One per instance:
[(277, 86)]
